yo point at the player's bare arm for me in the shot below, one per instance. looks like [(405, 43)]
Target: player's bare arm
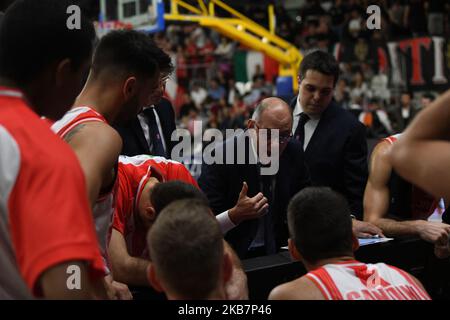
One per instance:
[(53, 283), (125, 268), (424, 143), (97, 147)]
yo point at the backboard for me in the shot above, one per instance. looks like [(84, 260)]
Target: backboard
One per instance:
[(144, 15)]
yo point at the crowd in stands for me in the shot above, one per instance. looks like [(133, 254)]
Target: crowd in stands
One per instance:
[(207, 88)]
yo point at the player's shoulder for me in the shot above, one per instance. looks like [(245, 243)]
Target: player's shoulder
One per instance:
[(299, 289), (101, 134), (382, 149)]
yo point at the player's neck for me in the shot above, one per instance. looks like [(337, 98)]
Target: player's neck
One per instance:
[(31, 94), (102, 101), (312, 266), (217, 294)]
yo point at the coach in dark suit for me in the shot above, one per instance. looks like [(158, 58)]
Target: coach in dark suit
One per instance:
[(150, 132), (333, 140), (222, 183)]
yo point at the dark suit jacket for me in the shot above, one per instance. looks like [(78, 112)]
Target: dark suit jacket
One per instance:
[(134, 142), (222, 184), (336, 155), (401, 123)]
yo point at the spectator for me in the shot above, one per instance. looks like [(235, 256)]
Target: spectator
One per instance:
[(198, 94), (435, 18), (405, 113), (360, 87), (216, 91)]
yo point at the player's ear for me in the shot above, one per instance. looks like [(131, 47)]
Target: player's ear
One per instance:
[(293, 250), (129, 87), (63, 72), (150, 213)]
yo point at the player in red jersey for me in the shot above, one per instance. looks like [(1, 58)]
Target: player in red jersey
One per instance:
[(397, 206), (322, 238), (422, 155), (134, 212), (146, 185), (48, 245)]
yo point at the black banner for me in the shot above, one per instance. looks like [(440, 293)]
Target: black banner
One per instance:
[(416, 63)]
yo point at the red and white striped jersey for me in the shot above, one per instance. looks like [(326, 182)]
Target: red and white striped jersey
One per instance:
[(354, 280), (103, 209), (134, 173), (75, 117), (45, 218)]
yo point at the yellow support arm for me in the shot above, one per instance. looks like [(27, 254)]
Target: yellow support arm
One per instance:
[(243, 30)]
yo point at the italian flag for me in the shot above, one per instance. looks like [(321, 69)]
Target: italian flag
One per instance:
[(245, 63)]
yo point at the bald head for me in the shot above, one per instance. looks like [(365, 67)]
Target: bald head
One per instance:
[(273, 113)]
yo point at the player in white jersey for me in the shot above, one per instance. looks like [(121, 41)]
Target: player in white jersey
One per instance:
[(122, 79), (322, 238)]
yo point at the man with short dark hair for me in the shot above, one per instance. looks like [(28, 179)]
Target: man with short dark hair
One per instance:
[(320, 228), (46, 229), (151, 131), (333, 140), (123, 78), (187, 251)]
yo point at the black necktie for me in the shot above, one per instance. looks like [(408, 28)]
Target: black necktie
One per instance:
[(157, 147), (300, 131), (267, 183)]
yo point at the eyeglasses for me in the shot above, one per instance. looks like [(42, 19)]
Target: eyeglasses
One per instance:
[(283, 137)]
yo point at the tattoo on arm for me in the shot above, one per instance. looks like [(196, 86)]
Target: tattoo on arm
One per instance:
[(73, 132)]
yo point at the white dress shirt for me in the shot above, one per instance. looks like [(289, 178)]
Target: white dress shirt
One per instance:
[(310, 126), (145, 129)]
